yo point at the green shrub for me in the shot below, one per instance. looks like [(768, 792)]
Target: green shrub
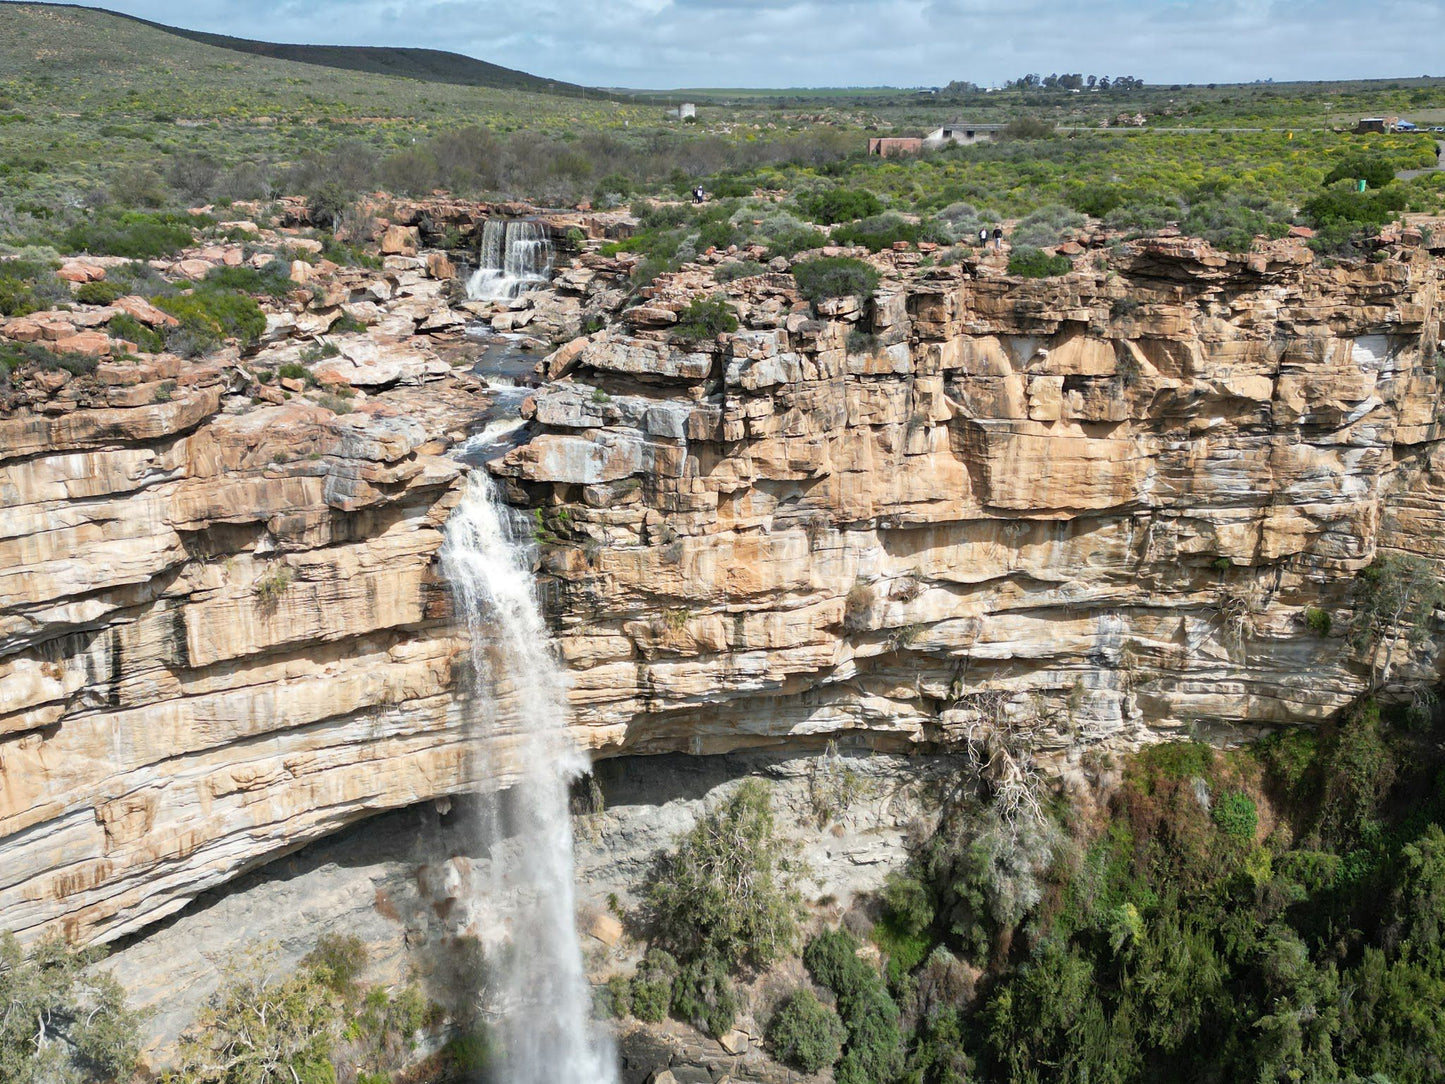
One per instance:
[(859, 341), (652, 986), (873, 1053), (138, 235), (1341, 206), (275, 583), (1047, 226), (471, 1054), (1233, 223), (703, 996), (805, 1033), (258, 1027), (878, 232), (1318, 621), (346, 255), (615, 999), (1235, 815), (726, 892), (208, 315), (28, 286), (1033, 263), (19, 356), (738, 269), (839, 205), (338, 961), (704, 319), (1374, 171), (835, 276), (788, 244), (124, 326), (99, 292), (274, 280)]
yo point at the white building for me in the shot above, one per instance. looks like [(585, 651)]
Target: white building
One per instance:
[(959, 132)]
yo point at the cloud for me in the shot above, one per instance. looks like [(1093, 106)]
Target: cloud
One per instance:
[(737, 43)]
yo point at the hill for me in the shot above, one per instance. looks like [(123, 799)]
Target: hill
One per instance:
[(428, 65)]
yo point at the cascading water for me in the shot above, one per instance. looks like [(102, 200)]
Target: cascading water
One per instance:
[(544, 999), (515, 256)]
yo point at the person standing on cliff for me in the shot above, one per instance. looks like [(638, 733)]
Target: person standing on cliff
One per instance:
[(998, 238), (983, 237), (697, 194)]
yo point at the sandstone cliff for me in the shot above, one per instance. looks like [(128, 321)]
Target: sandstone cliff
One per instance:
[(1089, 509), (1083, 511)]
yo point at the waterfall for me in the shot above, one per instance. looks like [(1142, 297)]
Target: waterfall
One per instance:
[(514, 257), (520, 695)]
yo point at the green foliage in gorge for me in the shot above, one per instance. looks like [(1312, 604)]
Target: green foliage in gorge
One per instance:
[(1271, 914), (61, 1020), (726, 893)]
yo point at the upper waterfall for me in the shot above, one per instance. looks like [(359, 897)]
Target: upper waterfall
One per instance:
[(515, 255)]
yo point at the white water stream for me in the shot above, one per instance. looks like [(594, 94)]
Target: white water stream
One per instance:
[(520, 696), (515, 256)]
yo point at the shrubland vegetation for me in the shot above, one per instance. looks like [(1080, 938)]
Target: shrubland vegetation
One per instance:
[(157, 123), (1270, 913), (62, 1021)]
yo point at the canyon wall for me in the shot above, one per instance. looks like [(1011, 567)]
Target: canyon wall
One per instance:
[(1081, 513), (1085, 510)]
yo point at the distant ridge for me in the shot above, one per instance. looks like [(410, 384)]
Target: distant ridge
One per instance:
[(427, 65)]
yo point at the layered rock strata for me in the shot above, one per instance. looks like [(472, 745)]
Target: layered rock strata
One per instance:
[(1077, 513), (1083, 511)]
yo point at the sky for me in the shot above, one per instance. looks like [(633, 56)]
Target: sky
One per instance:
[(814, 43)]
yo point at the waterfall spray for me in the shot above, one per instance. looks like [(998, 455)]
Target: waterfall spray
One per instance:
[(514, 257), (545, 1028)]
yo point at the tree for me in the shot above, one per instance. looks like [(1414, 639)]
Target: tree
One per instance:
[(726, 893), (1398, 595), (260, 1029), (61, 1021)]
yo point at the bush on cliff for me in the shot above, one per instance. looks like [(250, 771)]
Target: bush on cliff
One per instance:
[(835, 276), (264, 1027), (805, 1033), (727, 893), (873, 1053), (60, 1019), (705, 318), (1034, 263), (28, 286)]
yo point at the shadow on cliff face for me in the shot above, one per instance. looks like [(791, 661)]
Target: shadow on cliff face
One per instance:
[(393, 881)]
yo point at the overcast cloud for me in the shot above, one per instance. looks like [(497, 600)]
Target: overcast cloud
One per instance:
[(784, 43)]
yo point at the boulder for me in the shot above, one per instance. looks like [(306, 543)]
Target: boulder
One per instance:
[(79, 271), (141, 310), (95, 343), (438, 266), (400, 241), (735, 1042), (193, 269), (606, 928)]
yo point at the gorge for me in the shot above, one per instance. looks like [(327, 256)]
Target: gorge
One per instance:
[(1054, 518)]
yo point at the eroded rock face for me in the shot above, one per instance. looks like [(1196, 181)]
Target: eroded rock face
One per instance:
[(221, 636), (1092, 508)]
